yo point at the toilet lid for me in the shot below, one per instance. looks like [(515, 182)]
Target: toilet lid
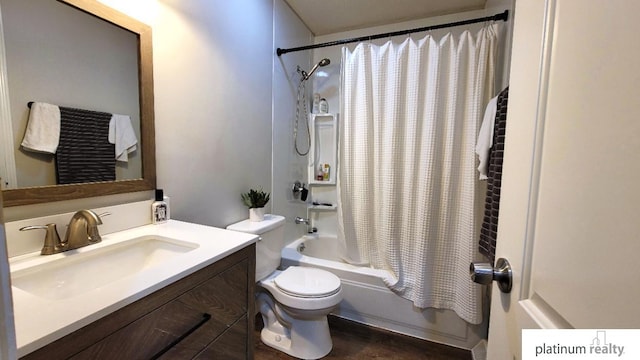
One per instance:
[(307, 282)]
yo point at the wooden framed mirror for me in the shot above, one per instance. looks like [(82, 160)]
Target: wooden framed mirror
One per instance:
[(146, 142)]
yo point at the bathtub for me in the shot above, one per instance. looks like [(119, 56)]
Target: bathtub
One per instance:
[(367, 300)]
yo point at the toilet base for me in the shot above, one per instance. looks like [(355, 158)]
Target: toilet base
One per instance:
[(304, 339), (298, 344)]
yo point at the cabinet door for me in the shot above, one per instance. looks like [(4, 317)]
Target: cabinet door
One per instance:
[(225, 298), (148, 336), (232, 345)]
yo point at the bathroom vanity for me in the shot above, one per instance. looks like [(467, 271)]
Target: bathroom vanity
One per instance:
[(205, 315), (190, 297)]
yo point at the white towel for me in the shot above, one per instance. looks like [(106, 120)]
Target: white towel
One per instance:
[(122, 135), (43, 128), (485, 138)]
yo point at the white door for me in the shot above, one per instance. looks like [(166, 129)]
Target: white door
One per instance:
[(570, 205)]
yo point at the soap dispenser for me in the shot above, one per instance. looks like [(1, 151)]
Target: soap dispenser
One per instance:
[(159, 208)]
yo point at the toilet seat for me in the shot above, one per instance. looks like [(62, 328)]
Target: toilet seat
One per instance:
[(330, 298), (307, 282)]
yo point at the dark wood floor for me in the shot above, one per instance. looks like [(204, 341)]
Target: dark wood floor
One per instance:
[(352, 340)]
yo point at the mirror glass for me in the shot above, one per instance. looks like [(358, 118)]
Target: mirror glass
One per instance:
[(77, 54)]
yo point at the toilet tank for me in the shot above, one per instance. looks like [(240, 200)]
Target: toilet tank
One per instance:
[(270, 242)]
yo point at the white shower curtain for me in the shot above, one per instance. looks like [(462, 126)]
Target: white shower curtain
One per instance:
[(407, 185)]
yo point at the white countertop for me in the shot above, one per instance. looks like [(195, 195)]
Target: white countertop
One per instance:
[(40, 321)]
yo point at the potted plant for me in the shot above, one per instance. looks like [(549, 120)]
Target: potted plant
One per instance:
[(255, 200)]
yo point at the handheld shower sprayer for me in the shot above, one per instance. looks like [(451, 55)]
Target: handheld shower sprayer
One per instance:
[(301, 106), (306, 76)]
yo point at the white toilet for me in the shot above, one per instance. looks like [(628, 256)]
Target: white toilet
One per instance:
[(294, 302)]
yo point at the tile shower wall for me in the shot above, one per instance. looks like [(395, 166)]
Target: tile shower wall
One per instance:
[(288, 167)]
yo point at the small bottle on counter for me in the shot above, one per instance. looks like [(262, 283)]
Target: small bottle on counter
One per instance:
[(159, 209), (167, 201), (319, 174)]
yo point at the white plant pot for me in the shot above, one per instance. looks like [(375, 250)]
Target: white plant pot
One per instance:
[(256, 214)]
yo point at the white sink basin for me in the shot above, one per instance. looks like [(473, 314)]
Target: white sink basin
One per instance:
[(86, 269)]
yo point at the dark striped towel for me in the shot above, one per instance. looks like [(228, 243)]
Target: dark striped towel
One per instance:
[(489, 231), (84, 153)]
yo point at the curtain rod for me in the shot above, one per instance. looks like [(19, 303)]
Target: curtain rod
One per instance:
[(497, 17)]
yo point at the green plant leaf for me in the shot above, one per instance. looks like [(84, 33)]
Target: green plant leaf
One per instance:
[(255, 198)]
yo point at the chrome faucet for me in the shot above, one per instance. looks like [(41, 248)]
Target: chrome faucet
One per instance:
[(83, 229), (310, 229)]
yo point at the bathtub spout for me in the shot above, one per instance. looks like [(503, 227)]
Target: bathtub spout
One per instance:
[(310, 229)]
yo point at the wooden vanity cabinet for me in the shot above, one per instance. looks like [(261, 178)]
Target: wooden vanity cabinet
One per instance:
[(202, 316)]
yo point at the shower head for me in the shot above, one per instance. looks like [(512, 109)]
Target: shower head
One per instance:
[(323, 62)]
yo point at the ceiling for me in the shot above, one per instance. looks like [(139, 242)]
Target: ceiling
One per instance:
[(331, 16)]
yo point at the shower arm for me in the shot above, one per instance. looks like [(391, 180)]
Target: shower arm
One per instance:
[(313, 69)]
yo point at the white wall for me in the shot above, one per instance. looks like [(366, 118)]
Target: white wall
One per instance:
[(213, 75), (225, 104), (212, 69)]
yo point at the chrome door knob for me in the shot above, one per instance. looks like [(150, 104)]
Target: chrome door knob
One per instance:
[(484, 273)]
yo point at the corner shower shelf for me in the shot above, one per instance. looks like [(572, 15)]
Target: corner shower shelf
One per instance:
[(322, 182), (324, 147)]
